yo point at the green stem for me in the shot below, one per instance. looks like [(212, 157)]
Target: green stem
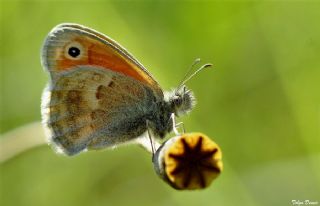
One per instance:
[(21, 139)]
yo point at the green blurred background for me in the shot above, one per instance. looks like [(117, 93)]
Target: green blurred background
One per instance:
[(260, 103)]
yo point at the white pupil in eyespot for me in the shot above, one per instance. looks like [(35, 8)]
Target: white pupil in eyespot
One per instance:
[(74, 52)]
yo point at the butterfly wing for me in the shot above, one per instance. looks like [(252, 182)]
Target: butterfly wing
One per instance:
[(90, 107), (95, 99), (96, 50)]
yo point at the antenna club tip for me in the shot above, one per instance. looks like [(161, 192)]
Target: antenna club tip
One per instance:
[(208, 65)]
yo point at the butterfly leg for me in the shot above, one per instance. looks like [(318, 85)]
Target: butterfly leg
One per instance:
[(174, 124), (181, 124), (150, 138)]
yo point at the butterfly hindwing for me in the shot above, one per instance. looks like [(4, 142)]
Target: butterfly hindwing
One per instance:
[(94, 106)]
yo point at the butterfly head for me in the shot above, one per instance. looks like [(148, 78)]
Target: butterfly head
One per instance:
[(181, 101)]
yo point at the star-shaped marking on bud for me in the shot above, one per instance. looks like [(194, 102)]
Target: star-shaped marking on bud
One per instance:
[(194, 162)]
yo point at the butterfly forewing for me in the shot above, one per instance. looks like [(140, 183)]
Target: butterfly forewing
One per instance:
[(96, 50)]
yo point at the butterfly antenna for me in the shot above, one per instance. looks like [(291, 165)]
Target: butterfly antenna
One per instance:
[(187, 78), (195, 62)]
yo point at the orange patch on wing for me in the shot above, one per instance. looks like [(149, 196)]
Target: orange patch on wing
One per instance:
[(97, 53)]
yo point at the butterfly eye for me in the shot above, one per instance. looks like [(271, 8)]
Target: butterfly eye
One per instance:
[(177, 100), (74, 51)]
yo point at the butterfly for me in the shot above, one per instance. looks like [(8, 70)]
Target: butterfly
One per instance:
[(99, 95)]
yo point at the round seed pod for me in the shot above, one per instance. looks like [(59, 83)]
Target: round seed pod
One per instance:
[(187, 162)]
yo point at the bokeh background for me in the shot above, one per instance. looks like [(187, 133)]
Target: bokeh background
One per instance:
[(260, 103)]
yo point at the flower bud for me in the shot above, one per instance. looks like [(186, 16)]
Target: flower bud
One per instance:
[(187, 162)]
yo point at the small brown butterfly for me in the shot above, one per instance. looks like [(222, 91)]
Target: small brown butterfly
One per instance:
[(99, 95)]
